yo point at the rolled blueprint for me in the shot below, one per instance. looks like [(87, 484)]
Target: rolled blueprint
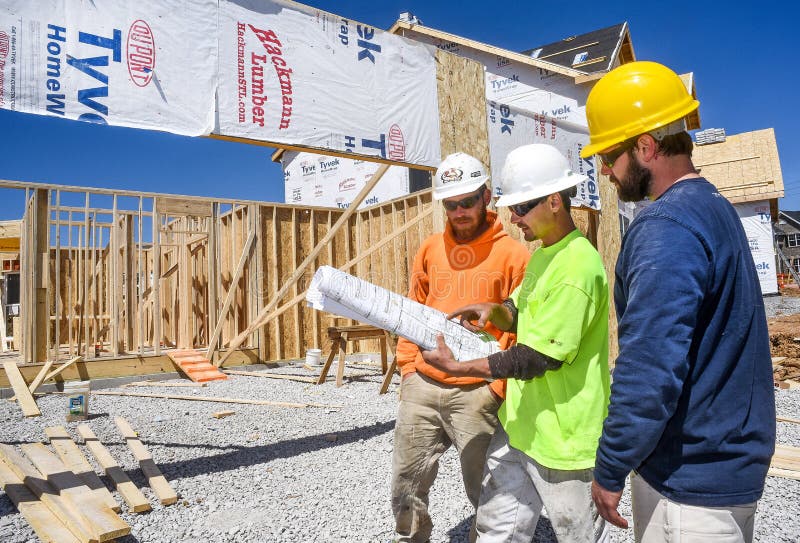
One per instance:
[(342, 294)]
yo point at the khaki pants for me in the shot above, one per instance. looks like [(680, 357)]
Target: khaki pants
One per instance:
[(430, 418), (515, 487), (657, 519)]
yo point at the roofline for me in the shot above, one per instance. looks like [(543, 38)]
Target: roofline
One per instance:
[(491, 49), (795, 222)]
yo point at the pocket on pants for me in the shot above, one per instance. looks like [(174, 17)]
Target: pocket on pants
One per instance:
[(713, 524)]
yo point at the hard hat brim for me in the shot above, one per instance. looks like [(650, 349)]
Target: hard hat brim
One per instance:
[(459, 189), (551, 188), (606, 141)]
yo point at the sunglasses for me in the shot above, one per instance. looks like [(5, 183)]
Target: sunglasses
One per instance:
[(612, 156), (465, 203), (520, 210)]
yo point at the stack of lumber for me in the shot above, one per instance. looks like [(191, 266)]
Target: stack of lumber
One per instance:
[(61, 496), (785, 462), (57, 504)]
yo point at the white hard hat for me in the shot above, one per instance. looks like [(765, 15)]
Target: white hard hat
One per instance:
[(533, 171), (458, 174)]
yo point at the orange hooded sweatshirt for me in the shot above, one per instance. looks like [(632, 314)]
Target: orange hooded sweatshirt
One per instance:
[(448, 275)]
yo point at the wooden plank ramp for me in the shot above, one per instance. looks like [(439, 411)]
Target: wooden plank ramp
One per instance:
[(166, 494), (130, 493), (194, 364), (74, 460)]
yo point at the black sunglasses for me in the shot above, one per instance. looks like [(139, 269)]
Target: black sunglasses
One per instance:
[(520, 210), (466, 203), (611, 157)]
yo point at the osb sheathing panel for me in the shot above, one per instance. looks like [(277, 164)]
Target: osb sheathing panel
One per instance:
[(462, 106), (745, 167)]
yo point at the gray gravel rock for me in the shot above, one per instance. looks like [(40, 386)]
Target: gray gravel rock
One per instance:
[(781, 305), (270, 474)]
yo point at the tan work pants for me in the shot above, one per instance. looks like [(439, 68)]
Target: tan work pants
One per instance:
[(657, 519), (430, 418)]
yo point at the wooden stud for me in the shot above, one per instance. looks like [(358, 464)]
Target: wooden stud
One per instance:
[(245, 256), (261, 282), (39, 379), (157, 319), (271, 376), (156, 480), (130, 493), (60, 369), (57, 290), (214, 400), (41, 311), (279, 352), (168, 384)]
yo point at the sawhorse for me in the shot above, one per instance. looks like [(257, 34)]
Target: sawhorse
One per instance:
[(340, 335)]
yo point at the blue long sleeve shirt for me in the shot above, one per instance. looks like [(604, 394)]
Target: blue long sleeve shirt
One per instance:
[(692, 401)]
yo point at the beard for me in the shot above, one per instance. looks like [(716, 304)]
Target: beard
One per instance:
[(467, 231), (635, 183)]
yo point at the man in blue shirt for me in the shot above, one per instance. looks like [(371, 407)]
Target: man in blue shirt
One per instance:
[(692, 409)]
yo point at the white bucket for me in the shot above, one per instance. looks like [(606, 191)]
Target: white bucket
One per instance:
[(313, 357), (77, 393)]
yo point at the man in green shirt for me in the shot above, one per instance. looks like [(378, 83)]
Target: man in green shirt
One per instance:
[(558, 379)]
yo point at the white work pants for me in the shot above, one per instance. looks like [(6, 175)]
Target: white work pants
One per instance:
[(514, 489), (657, 519)]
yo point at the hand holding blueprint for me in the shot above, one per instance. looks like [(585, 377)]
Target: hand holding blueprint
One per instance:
[(340, 293)]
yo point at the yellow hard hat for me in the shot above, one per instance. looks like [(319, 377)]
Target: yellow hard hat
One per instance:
[(634, 99)]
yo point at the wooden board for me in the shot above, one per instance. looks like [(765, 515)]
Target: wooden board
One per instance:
[(217, 400), (166, 494), (177, 207), (74, 460), (105, 522), (45, 523), (407, 29), (271, 376), (130, 493), (24, 396), (67, 513)]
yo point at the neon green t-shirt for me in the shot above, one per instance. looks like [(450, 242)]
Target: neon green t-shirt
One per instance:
[(557, 418)]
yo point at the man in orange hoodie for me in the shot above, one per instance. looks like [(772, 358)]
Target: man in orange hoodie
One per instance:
[(473, 260)]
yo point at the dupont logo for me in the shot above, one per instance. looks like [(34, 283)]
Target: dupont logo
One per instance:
[(397, 144), (347, 184), (141, 53)]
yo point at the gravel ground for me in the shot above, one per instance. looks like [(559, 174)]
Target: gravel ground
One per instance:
[(269, 474), (781, 305)]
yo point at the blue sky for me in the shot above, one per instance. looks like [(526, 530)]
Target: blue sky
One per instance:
[(743, 60)]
